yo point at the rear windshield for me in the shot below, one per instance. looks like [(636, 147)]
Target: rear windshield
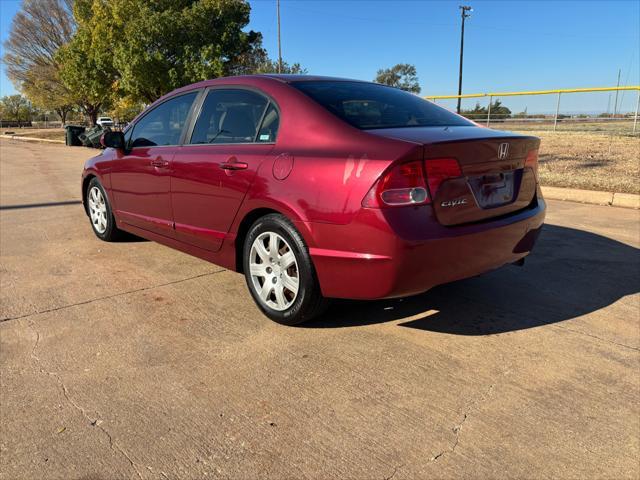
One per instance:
[(370, 105)]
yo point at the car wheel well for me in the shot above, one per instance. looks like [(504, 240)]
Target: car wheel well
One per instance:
[(85, 187), (243, 230)]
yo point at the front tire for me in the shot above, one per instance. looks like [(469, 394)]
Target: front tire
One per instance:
[(279, 272), (100, 214)]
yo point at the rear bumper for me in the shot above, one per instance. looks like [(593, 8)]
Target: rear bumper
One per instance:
[(401, 252)]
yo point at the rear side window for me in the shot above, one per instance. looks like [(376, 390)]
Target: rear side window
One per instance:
[(370, 105), (163, 125), (229, 116), (270, 123)]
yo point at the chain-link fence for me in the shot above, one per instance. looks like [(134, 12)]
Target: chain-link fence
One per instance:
[(610, 109)]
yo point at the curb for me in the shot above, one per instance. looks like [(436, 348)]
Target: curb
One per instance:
[(31, 139), (625, 200)]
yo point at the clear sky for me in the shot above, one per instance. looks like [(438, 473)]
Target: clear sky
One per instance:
[(509, 45)]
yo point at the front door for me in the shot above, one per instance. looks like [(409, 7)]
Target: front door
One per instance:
[(213, 170), (141, 176)]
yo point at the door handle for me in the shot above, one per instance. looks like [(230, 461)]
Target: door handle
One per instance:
[(158, 162), (234, 166)]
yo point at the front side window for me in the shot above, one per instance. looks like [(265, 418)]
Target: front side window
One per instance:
[(163, 125), (370, 105), (229, 116)]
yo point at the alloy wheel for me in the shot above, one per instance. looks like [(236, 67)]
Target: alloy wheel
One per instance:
[(274, 271), (97, 209)]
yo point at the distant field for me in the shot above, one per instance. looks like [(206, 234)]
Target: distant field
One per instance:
[(48, 133), (624, 128), (589, 160), (594, 160)]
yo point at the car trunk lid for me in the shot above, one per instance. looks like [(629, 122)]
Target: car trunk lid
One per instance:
[(494, 180)]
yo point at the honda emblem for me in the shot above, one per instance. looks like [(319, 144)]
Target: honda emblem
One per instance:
[(503, 151)]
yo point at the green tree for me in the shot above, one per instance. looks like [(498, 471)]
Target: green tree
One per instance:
[(125, 109), (86, 61), (37, 31), (16, 108), (497, 110), (402, 75), (475, 112), (160, 45)]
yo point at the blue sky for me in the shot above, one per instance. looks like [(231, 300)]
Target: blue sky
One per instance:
[(509, 45)]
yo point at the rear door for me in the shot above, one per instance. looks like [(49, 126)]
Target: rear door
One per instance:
[(211, 173), (140, 177)]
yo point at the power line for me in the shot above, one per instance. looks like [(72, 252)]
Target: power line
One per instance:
[(521, 31)]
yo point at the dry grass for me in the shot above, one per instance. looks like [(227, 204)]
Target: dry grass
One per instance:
[(624, 127), (48, 133), (591, 161)]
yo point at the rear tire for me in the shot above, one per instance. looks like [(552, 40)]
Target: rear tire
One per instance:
[(279, 272), (103, 223)]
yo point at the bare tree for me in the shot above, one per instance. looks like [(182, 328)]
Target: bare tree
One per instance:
[(38, 30)]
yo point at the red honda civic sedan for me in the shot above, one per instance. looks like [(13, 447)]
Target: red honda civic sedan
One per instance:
[(318, 188)]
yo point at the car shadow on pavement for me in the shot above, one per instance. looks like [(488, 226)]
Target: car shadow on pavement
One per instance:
[(570, 273)]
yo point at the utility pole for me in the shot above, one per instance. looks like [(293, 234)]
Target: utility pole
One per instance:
[(279, 46), (615, 103), (465, 11)]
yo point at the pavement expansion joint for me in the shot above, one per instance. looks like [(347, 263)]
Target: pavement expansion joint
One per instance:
[(107, 297)]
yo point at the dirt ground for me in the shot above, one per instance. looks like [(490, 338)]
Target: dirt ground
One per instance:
[(132, 360)]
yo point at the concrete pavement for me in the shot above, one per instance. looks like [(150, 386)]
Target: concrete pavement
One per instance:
[(131, 360)]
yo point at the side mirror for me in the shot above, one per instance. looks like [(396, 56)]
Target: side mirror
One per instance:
[(113, 140)]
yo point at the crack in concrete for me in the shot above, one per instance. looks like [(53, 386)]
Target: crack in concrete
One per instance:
[(107, 297), (395, 470), (458, 427), (605, 340), (94, 422)]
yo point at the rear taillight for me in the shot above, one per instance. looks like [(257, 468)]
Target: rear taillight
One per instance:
[(532, 162), (439, 170), (404, 184)]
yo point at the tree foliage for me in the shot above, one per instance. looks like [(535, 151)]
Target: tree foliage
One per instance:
[(402, 75), (38, 30), (16, 108), (160, 45), (125, 109), (87, 60), (497, 110), (121, 54)]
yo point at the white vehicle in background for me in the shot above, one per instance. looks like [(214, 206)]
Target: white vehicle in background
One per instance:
[(105, 122)]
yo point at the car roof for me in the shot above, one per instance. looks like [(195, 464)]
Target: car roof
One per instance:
[(252, 80), (288, 78), (249, 79)]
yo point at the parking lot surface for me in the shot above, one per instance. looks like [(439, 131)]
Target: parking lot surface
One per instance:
[(131, 360)]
